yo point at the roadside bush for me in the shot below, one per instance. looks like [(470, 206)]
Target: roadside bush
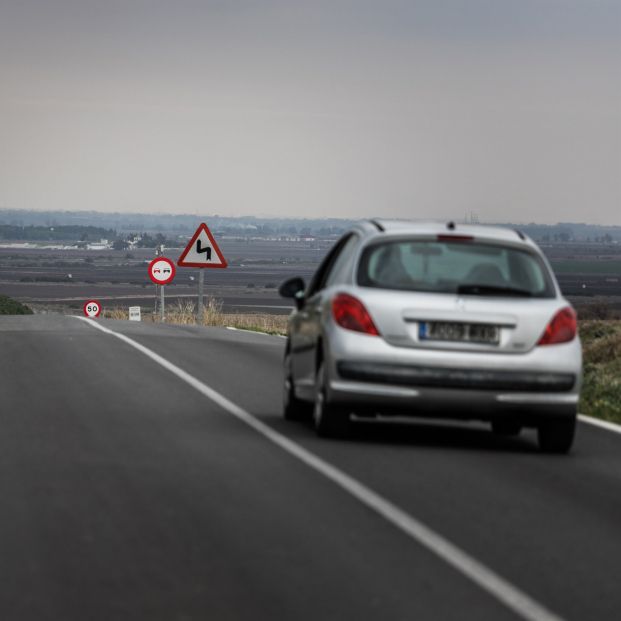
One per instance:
[(601, 390), (9, 306)]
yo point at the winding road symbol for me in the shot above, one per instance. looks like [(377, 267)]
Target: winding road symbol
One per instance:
[(202, 250), (206, 250)]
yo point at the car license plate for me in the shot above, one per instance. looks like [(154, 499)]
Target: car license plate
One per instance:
[(459, 332)]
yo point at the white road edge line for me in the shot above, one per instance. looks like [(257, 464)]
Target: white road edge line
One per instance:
[(280, 336), (519, 602), (598, 422)]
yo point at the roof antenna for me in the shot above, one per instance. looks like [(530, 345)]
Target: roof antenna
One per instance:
[(450, 226)]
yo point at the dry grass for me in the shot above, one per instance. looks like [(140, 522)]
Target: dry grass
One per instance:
[(184, 313), (115, 313)]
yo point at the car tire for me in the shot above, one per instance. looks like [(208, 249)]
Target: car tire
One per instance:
[(503, 427), (556, 435), (292, 407), (330, 420)]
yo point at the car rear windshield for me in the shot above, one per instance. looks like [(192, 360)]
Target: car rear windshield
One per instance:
[(466, 267)]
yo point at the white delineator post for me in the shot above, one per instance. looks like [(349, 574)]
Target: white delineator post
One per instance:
[(201, 292)]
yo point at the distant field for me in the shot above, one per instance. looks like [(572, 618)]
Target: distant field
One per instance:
[(48, 279), (590, 266), (65, 278)]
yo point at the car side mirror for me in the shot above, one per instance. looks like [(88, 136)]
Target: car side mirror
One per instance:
[(293, 288)]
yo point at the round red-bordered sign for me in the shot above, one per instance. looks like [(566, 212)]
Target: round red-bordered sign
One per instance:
[(161, 270), (92, 308)]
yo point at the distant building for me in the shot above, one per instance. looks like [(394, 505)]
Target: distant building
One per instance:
[(102, 244)]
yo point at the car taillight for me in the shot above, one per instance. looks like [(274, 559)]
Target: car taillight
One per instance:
[(561, 329), (350, 313)]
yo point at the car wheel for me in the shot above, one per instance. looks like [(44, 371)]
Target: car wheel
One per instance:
[(292, 407), (503, 427), (556, 436), (330, 420)]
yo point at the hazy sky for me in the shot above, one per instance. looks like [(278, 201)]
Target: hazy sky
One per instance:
[(434, 108)]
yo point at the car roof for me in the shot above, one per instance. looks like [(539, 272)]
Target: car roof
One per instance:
[(379, 226)]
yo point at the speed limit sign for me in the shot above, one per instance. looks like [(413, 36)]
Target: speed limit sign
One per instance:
[(92, 308)]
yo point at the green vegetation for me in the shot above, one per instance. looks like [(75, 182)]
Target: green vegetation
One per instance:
[(147, 241), (55, 233), (120, 244), (590, 266), (8, 306), (601, 391)]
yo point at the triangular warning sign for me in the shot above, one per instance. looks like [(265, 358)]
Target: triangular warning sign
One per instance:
[(202, 250)]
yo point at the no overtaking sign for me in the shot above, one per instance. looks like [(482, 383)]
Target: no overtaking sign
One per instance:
[(161, 271)]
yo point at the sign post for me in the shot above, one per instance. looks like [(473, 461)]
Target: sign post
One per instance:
[(159, 251), (161, 272), (201, 293), (202, 251)]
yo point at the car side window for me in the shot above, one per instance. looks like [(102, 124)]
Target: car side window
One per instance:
[(340, 264), (319, 279)]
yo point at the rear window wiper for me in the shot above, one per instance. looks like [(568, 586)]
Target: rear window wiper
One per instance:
[(493, 290)]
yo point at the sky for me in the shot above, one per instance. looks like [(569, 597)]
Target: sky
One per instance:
[(508, 109)]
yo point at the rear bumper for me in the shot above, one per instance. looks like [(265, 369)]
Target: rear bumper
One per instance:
[(443, 377), (471, 394), (374, 376)]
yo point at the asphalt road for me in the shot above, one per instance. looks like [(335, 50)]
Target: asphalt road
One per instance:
[(129, 494)]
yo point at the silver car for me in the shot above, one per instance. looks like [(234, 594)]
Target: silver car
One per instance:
[(438, 320)]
